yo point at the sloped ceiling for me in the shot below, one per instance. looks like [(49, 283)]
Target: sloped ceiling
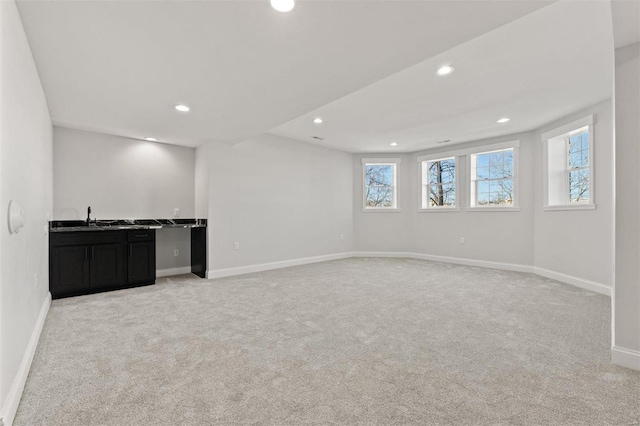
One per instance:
[(366, 66), (534, 70)]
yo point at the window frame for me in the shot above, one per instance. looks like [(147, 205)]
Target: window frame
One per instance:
[(472, 181), (566, 131), (431, 159), (380, 162)]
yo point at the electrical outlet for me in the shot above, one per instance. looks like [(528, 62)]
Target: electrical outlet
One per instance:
[(176, 212), (176, 252), (236, 246), (342, 236), (461, 240)]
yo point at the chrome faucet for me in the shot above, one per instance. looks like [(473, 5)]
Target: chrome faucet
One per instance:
[(89, 216)]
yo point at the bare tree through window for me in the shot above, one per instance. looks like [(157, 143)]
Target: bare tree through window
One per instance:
[(569, 168), (494, 178), (578, 167), (439, 183), (379, 185)]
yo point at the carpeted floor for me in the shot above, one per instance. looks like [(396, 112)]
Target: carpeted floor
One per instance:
[(355, 341)]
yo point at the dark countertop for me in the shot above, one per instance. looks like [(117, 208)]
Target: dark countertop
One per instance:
[(123, 224)]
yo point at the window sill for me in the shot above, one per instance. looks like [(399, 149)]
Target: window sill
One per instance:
[(493, 209), (439, 210), (569, 207), (380, 210)]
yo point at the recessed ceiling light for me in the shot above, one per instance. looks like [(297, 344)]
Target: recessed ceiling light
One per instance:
[(182, 108), (503, 120), (151, 139), (317, 120), (283, 5), (394, 144), (445, 70)]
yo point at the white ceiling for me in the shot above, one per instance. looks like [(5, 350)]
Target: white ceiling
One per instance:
[(534, 70), (119, 67), (626, 22)]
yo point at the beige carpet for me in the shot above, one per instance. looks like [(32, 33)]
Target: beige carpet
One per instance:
[(356, 341)]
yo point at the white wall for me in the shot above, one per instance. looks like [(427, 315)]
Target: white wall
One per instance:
[(202, 181), (167, 241), (627, 284), (382, 231), (489, 236), (579, 243), (539, 241), (279, 199), (123, 178), (120, 177), (25, 176)]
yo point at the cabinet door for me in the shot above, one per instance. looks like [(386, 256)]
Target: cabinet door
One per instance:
[(142, 262), (107, 265), (69, 269)]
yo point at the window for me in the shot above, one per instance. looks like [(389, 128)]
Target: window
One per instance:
[(568, 161), (491, 170), (439, 183), (380, 184), (578, 166), (493, 178)]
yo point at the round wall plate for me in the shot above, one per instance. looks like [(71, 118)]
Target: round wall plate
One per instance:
[(15, 217)]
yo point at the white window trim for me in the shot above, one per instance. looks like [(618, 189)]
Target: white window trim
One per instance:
[(469, 151), (381, 210), (569, 127), (568, 207), (587, 121), (438, 209), (515, 145), (381, 161), (493, 209)]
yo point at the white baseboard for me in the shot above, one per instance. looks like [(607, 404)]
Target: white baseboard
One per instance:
[(564, 278), (479, 263), (625, 357), (173, 271), (567, 279), (227, 272), (394, 254), (15, 392), (447, 259), (578, 282)]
